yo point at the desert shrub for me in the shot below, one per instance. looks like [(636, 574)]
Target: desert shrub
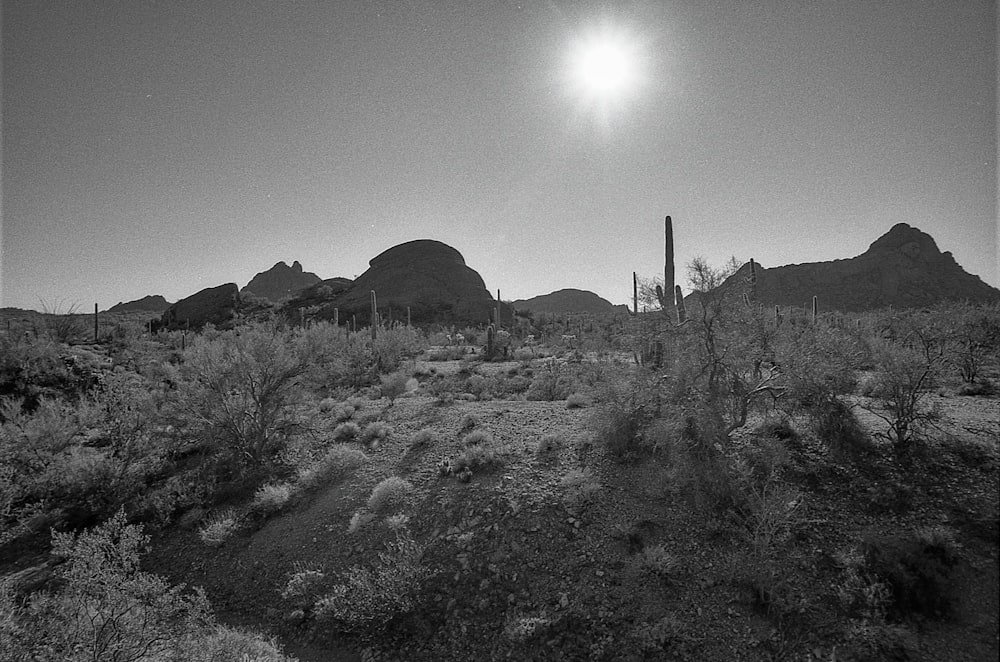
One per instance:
[(834, 423), (243, 389), (397, 522), (390, 495), (577, 401), (468, 422), (105, 608), (336, 464), (972, 338), (551, 383), (394, 385), (665, 634), (903, 376), (476, 438), (342, 413), (219, 528), (580, 489), (422, 438), (622, 414), (980, 387), (271, 498), (302, 585), (359, 520), (221, 643), (394, 345), (375, 432), (548, 446), (657, 562), (476, 457), (345, 432), (368, 598), (917, 569)]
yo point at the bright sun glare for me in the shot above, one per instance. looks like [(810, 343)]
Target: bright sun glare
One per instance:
[(604, 66)]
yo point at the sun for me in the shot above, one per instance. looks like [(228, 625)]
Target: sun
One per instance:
[(603, 66)]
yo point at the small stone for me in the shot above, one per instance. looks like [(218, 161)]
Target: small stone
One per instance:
[(451, 604), (599, 573), (563, 600)]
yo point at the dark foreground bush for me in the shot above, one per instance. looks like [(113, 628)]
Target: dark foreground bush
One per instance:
[(838, 428), (917, 568)]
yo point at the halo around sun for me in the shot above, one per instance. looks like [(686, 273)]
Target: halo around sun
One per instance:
[(604, 68)]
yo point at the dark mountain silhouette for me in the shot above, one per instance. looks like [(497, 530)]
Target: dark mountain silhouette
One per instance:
[(153, 303), (903, 268), (216, 305), (281, 282), (568, 301), (429, 277)]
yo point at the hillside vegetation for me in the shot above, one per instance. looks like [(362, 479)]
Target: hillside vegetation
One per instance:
[(739, 486)]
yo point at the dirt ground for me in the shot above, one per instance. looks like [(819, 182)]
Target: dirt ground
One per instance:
[(526, 546)]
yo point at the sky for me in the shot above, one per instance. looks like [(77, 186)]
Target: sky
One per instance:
[(166, 146)]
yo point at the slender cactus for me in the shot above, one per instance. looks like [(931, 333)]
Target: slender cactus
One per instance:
[(635, 294), (681, 311), (374, 316), (815, 310)]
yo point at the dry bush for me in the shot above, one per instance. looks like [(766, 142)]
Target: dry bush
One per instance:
[(346, 432), (375, 433), (219, 528), (395, 385), (336, 464), (368, 598), (391, 494), (271, 498)]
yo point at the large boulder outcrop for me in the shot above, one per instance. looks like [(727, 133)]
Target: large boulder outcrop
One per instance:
[(903, 268), (426, 276), (281, 282), (214, 305)]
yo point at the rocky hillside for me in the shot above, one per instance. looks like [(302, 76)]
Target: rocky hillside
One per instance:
[(567, 301), (903, 268), (215, 305), (281, 282), (153, 303), (429, 277)]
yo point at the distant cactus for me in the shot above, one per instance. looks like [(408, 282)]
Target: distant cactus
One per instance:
[(815, 310), (374, 316)]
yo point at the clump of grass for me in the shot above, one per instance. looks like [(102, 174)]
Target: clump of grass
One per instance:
[(397, 522), (219, 528), (468, 422), (359, 520), (390, 495), (338, 463), (577, 401), (656, 561), (271, 498), (375, 432), (476, 458), (345, 432), (356, 401), (342, 412), (548, 446), (423, 438)]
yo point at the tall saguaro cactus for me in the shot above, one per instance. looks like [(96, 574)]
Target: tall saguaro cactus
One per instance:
[(374, 316)]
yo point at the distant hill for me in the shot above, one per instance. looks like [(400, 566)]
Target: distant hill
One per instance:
[(903, 268), (215, 305), (281, 282), (568, 301), (153, 303)]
